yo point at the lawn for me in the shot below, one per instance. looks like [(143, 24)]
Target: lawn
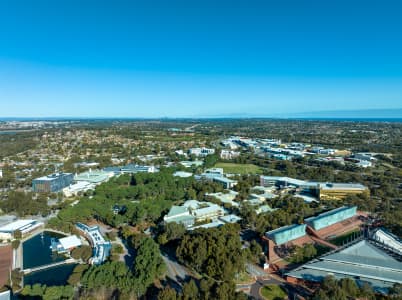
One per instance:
[(244, 278), (273, 292), (239, 168)]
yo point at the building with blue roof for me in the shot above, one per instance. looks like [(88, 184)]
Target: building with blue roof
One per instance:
[(286, 234), (100, 247), (52, 183), (331, 217)]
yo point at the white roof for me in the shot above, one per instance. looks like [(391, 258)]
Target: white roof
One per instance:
[(193, 204), (16, 225), (182, 174), (79, 185), (230, 219), (388, 239), (70, 242), (53, 176), (212, 208), (6, 295)]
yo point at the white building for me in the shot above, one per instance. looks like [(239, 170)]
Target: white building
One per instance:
[(210, 211), (192, 212), (66, 244), (229, 144), (182, 174), (388, 239), (24, 226), (327, 151), (364, 156), (217, 171), (225, 197), (225, 182), (201, 151), (364, 164), (230, 219), (229, 154), (74, 189), (189, 164), (179, 152)]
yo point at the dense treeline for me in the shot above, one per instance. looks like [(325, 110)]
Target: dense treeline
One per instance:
[(12, 144), (206, 289), (216, 252), (146, 198), (24, 204), (38, 291), (114, 279), (289, 210)]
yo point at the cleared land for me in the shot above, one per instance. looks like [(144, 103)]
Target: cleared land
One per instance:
[(6, 258), (239, 168), (273, 292)]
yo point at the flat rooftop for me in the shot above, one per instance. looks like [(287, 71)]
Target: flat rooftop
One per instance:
[(330, 213), (93, 176), (70, 242), (342, 186), (11, 227), (52, 176), (362, 260), (283, 229)]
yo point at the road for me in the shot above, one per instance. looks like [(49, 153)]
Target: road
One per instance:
[(256, 271), (255, 288), (175, 271), (263, 278)]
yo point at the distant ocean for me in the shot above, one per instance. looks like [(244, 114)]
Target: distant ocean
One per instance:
[(237, 117), (384, 120)]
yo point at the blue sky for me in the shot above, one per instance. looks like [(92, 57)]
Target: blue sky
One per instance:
[(198, 58)]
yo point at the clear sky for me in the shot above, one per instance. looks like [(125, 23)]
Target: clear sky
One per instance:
[(193, 58)]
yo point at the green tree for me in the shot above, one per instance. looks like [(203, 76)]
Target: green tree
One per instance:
[(190, 291), (148, 264), (83, 252), (349, 286), (53, 293), (167, 294), (216, 252)]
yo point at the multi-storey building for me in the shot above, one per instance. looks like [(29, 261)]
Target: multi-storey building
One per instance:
[(52, 183)]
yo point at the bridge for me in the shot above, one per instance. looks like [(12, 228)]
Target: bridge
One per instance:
[(48, 266)]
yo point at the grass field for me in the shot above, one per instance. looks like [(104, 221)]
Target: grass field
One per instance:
[(239, 168), (273, 292)]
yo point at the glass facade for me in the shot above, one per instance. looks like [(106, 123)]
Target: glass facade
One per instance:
[(286, 234), (331, 217), (52, 183)]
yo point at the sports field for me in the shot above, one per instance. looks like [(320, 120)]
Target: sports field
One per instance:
[(233, 168)]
